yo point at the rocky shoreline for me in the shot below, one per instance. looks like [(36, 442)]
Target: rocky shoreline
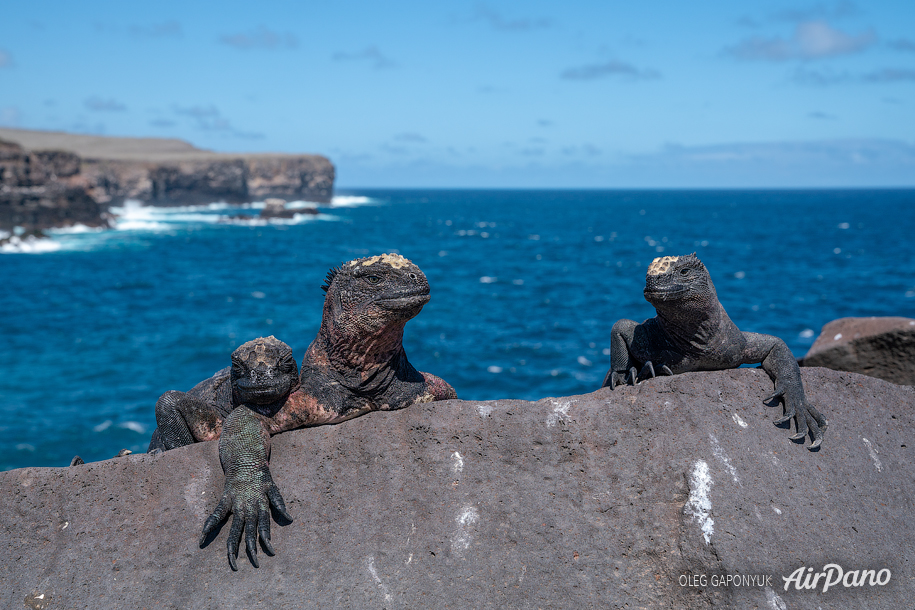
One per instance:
[(51, 179)]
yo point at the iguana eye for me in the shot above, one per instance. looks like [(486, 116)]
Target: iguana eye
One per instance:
[(372, 279), (684, 271)]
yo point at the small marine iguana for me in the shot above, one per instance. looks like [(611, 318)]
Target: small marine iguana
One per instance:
[(262, 375), (692, 332), (355, 365)]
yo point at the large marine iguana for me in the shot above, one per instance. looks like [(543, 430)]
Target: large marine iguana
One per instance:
[(692, 332), (355, 365)]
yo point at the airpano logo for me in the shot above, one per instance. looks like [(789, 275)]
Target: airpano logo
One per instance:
[(833, 575)]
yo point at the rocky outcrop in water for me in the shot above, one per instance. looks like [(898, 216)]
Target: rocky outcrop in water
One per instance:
[(677, 493), (94, 172), (882, 347)]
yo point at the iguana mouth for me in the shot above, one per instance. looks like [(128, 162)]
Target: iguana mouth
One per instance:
[(406, 302), (665, 294), (259, 392)]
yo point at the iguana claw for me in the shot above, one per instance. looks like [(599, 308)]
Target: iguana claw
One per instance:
[(807, 420), (249, 500)]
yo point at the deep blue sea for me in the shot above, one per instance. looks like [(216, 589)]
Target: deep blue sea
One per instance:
[(525, 288)]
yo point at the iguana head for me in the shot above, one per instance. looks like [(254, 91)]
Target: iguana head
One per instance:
[(368, 294), (264, 371), (680, 279)]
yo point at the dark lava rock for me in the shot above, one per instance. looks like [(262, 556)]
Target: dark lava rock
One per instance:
[(276, 208), (597, 501), (879, 347), (43, 190)]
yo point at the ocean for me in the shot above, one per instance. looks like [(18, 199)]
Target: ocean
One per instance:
[(526, 285)]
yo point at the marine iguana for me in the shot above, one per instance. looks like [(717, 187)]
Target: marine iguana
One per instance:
[(692, 332), (262, 375), (355, 365)]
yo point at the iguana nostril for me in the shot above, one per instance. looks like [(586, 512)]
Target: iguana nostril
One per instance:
[(412, 276)]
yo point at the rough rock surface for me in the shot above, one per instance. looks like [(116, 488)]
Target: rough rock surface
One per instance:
[(882, 347), (168, 172), (593, 501), (40, 190)]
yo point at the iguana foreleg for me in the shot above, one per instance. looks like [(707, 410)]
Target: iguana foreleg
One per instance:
[(244, 452), (781, 366), (625, 367), (182, 420)]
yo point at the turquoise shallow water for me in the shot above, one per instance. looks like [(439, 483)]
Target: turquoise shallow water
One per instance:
[(525, 288)]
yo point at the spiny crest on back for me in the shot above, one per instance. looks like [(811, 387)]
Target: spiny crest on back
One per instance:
[(330, 278)]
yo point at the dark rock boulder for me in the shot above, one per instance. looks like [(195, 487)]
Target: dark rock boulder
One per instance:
[(43, 190), (642, 497), (879, 347)]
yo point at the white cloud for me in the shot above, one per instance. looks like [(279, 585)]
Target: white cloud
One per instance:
[(810, 40)]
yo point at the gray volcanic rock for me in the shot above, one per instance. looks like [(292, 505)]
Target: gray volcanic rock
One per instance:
[(613, 499), (882, 347)]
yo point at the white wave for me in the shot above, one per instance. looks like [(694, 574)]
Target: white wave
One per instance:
[(340, 201), (134, 426), (302, 205), (74, 230), (29, 245)]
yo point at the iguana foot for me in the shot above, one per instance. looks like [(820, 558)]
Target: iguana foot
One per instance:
[(648, 371), (248, 498), (807, 420)]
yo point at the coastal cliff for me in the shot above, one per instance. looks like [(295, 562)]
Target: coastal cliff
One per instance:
[(643, 497), (52, 179)]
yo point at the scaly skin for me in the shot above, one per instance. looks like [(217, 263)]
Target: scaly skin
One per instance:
[(355, 365), (692, 332), (262, 375)]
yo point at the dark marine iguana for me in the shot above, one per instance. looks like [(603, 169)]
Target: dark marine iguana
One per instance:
[(262, 375), (692, 332), (355, 365)]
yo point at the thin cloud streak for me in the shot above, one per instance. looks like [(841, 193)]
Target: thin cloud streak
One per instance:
[(498, 22), (260, 38), (838, 10), (412, 137), (903, 44), (371, 53), (208, 118), (889, 75), (166, 29), (97, 104), (826, 78), (610, 68)]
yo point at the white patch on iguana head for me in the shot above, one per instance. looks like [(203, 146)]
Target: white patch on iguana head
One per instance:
[(661, 264), (393, 260), (259, 347)]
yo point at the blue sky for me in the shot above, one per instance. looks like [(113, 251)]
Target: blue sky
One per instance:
[(488, 94)]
